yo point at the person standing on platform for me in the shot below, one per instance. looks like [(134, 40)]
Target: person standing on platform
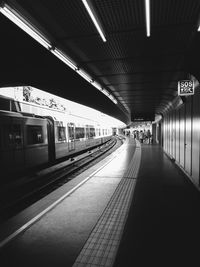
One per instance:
[(141, 136), (148, 137)]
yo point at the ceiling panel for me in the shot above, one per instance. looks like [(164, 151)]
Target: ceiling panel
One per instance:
[(142, 73)]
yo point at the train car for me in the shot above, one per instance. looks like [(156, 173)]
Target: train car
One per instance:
[(23, 141), (74, 134), (28, 140)]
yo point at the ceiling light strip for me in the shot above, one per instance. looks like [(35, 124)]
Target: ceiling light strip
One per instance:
[(96, 85), (147, 13), (92, 16), (64, 58), (105, 92), (84, 75), (26, 26), (16, 18)]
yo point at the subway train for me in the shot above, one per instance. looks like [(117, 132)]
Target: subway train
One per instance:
[(28, 140)]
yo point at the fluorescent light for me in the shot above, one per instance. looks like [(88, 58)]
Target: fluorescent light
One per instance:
[(105, 92), (98, 27), (26, 26), (18, 19), (59, 54), (113, 99), (98, 86), (198, 29), (84, 75), (147, 13)]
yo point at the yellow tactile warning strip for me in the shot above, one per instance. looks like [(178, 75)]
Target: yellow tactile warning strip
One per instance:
[(134, 164), (102, 245)]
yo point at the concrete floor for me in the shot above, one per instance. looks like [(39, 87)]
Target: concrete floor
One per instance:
[(56, 238), (163, 224)]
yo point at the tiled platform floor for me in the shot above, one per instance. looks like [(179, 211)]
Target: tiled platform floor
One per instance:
[(162, 228), (91, 217), (101, 247)]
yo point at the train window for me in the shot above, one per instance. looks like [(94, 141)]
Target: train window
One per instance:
[(92, 132), (15, 106), (87, 132), (17, 135), (14, 135), (5, 104), (98, 132), (34, 135), (61, 133), (79, 132)]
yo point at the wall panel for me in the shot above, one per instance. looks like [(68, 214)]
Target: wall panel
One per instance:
[(174, 135), (196, 137), (182, 136), (170, 133), (177, 125), (164, 133), (188, 136)]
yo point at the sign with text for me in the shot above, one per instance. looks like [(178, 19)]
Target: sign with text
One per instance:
[(185, 87)]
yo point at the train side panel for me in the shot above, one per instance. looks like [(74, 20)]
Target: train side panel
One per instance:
[(76, 135), (61, 144), (11, 143), (36, 142), (28, 140), (23, 142)]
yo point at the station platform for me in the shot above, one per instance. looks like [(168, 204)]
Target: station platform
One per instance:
[(162, 228), (134, 208), (78, 224)]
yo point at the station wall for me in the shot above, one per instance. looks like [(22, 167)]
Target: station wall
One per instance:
[(181, 136)]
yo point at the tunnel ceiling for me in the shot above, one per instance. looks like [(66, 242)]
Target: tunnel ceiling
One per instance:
[(141, 72)]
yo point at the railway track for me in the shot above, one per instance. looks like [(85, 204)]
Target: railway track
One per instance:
[(20, 194)]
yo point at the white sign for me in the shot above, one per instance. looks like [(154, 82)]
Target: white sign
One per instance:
[(185, 87)]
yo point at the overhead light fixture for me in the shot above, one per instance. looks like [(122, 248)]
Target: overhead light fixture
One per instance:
[(84, 75), (112, 99), (98, 86), (26, 26), (105, 92), (59, 54), (94, 19), (147, 13)]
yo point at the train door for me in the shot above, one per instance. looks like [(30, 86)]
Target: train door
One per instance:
[(51, 139), (13, 137), (71, 135), (18, 143)]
